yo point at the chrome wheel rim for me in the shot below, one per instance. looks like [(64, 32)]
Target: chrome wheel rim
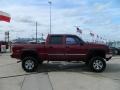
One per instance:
[(29, 64), (98, 64)]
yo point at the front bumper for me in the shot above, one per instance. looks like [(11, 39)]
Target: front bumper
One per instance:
[(108, 57)]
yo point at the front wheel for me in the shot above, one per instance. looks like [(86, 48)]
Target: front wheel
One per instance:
[(29, 64), (97, 64)]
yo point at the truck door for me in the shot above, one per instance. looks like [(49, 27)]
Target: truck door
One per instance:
[(56, 48), (74, 48)]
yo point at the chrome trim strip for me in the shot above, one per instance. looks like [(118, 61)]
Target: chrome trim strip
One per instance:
[(67, 54), (56, 54), (76, 54)]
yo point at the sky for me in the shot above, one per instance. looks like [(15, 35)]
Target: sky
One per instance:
[(102, 17)]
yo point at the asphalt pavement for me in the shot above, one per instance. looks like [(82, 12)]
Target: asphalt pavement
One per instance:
[(58, 76)]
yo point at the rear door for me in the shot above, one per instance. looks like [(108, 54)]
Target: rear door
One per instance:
[(56, 48), (74, 48)]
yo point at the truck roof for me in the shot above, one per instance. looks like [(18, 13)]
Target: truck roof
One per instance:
[(61, 34)]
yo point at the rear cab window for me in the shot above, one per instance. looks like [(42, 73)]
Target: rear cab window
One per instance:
[(56, 40)]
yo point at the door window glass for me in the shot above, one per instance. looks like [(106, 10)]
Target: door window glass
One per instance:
[(56, 40), (71, 40)]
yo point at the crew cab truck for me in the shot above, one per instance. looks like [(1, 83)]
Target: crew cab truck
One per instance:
[(62, 47)]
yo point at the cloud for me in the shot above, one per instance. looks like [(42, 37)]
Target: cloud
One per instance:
[(96, 16), (99, 7), (25, 19)]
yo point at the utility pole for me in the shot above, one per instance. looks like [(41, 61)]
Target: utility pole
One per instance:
[(50, 3), (7, 36), (42, 35), (36, 31)]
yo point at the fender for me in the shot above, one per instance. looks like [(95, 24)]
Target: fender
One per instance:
[(31, 52), (95, 52)]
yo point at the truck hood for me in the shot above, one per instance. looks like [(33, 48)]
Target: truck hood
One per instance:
[(95, 45)]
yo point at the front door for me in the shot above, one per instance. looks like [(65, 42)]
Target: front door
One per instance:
[(74, 48)]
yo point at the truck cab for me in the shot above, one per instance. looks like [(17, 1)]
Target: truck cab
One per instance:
[(65, 47)]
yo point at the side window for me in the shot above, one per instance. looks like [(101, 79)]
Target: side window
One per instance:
[(56, 40), (71, 40)]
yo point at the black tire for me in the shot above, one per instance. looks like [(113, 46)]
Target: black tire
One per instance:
[(29, 64), (97, 64)]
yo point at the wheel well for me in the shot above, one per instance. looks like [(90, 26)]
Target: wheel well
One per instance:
[(93, 53), (29, 53)]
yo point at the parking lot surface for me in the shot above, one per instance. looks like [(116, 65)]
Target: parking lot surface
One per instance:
[(58, 76)]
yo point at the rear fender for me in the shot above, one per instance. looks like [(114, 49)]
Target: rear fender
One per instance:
[(28, 52)]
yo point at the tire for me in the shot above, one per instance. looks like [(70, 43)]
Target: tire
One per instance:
[(97, 64), (29, 64)]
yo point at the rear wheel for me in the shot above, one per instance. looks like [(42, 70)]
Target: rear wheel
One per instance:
[(97, 64), (29, 64)]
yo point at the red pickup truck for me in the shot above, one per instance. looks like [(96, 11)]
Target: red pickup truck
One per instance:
[(62, 47)]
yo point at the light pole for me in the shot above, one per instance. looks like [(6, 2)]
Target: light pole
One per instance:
[(36, 32), (50, 3)]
